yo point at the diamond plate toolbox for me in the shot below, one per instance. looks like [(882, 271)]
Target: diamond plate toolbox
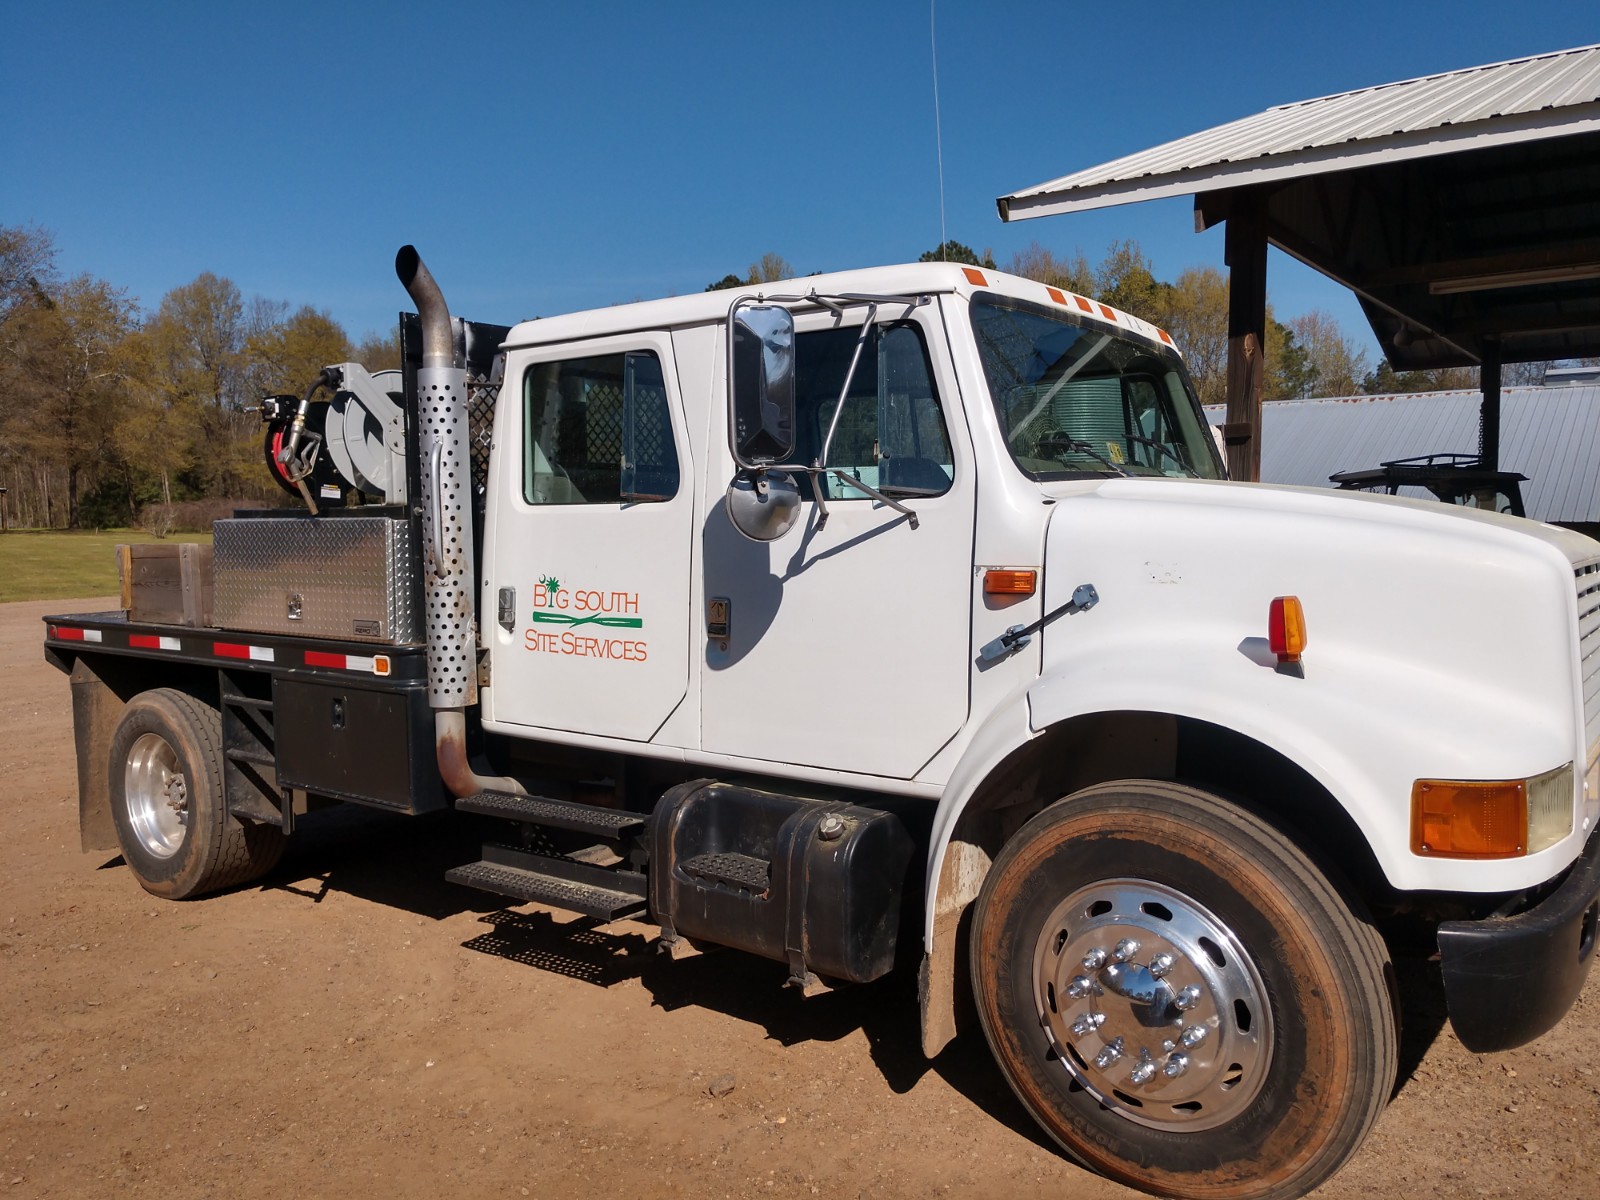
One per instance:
[(335, 577)]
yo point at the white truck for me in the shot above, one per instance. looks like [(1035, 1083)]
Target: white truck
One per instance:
[(903, 615)]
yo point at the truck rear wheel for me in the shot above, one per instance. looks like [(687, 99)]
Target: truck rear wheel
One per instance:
[(167, 801), (1180, 998)]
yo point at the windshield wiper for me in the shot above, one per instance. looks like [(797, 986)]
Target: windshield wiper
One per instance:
[(1049, 445), (1162, 448)]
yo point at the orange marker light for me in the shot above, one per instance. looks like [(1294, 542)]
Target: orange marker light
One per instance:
[(975, 277), (1009, 583), (1286, 628), (1453, 818), (1055, 294)]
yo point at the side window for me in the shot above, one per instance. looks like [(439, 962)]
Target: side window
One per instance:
[(891, 434), (597, 431)]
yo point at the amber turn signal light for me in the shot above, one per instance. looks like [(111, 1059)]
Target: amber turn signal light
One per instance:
[(1455, 818), (1286, 628), (1009, 583)]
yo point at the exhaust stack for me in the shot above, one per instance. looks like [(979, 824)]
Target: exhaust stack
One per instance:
[(446, 531)]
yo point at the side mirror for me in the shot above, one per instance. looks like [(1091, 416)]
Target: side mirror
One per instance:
[(761, 384)]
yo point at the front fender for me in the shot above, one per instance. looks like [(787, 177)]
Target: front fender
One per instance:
[(1336, 720)]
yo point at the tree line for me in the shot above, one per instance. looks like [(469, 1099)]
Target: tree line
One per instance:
[(110, 415)]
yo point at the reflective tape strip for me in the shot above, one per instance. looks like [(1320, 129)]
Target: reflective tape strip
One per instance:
[(146, 641), (377, 664), (65, 633), (234, 650)]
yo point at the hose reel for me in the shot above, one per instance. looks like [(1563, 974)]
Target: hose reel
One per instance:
[(353, 441)]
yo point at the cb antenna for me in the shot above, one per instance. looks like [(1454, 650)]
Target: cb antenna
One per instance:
[(938, 134)]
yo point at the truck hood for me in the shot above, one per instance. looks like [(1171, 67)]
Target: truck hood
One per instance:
[(1392, 511), (1443, 643)]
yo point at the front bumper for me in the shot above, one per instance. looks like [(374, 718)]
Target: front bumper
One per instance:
[(1508, 980)]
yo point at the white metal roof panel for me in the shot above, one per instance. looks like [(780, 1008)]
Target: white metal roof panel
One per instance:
[(1549, 434), (1523, 99)]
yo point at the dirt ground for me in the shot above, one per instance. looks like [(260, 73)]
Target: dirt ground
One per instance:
[(356, 1026)]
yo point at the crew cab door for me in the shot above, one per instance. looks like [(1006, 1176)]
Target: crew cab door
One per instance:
[(847, 642), (585, 596)]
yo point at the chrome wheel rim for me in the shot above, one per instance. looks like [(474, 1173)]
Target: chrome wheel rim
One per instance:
[(1152, 1005), (157, 794)]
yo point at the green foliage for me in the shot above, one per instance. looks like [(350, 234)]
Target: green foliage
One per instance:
[(1384, 380), (105, 412), (769, 268), (955, 252), (1125, 280), (378, 352)]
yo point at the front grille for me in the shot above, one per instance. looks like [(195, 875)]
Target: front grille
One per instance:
[(1588, 583)]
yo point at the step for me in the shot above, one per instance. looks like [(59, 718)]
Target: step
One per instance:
[(554, 814), (561, 883), (737, 870), (259, 758)]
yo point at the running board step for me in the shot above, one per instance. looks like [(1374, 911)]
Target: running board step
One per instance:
[(554, 814), (561, 883)]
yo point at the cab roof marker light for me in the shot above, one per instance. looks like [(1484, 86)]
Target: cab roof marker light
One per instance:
[(1108, 312), (1286, 628), (1055, 294), (1084, 304), (1165, 336), (975, 277)]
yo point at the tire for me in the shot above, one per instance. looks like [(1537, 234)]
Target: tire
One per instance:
[(1251, 1065), (167, 800)]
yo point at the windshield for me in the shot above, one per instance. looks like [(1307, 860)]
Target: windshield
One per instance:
[(1076, 400)]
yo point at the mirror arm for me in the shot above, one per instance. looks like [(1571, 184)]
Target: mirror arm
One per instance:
[(871, 491), (849, 378)]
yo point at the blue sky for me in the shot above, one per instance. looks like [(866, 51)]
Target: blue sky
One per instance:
[(551, 157)]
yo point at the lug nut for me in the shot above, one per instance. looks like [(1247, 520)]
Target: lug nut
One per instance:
[(1094, 960), (1187, 998), (1125, 950), (1176, 1065), (1193, 1036), (1079, 987), (1088, 1023), (1144, 1072), (1109, 1055), (1161, 964)]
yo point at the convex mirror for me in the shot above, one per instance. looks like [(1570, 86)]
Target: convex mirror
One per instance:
[(763, 505), (761, 384)]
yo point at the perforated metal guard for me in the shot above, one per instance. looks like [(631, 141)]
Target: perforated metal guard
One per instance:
[(447, 549), (482, 396)]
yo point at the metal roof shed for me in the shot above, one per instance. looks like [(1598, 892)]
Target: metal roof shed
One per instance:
[(1552, 434), (1463, 209)]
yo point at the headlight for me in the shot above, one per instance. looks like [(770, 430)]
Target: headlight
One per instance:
[(1494, 818)]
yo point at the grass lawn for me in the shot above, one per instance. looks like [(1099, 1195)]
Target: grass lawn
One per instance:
[(52, 565)]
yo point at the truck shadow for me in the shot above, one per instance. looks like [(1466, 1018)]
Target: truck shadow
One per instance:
[(400, 863), (395, 861), (752, 989)]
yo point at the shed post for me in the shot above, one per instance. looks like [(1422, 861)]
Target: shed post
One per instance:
[(1489, 413), (1246, 255)]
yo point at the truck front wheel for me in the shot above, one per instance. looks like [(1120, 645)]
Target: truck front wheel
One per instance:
[(1180, 998), (167, 800)]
